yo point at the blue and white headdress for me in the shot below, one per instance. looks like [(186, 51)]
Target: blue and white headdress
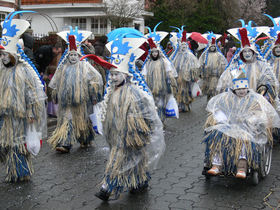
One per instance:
[(124, 52), (252, 32), (11, 42), (157, 36), (12, 30), (273, 33), (239, 77), (80, 36)]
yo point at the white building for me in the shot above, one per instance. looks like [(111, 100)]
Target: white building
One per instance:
[(54, 17), (7, 6)]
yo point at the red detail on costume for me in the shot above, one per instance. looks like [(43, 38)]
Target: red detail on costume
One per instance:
[(278, 39), (184, 36), (262, 38), (189, 43), (213, 40), (244, 37), (100, 61), (151, 43), (72, 43), (2, 48), (169, 51), (144, 47)]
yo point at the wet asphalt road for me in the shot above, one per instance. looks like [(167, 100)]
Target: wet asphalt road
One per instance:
[(69, 181)]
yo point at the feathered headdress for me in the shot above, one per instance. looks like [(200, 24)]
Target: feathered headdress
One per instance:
[(12, 29), (157, 36), (79, 35)]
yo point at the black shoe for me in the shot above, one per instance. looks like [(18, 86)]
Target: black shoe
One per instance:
[(140, 188), (103, 195)]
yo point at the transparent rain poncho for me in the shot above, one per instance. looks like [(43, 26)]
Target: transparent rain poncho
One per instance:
[(22, 98), (258, 73), (245, 118), (159, 75), (134, 133), (212, 65), (76, 88), (22, 105)]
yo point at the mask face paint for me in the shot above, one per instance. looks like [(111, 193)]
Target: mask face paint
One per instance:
[(276, 51), (117, 77), (154, 53), (247, 54), (212, 48), (5, 58), (73, 57), (241, 92), (184, 47)]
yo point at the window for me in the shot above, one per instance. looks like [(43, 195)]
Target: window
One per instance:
[(80, 22), (2, 17), (94, 25), (99, 26), (103, 26)]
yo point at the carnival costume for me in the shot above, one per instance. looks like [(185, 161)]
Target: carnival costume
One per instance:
[(159, 73), (76, 88), (259, 73), (131, 125), (271, 53), (22, 106), (236, 128), (212, 65), (187, 67)]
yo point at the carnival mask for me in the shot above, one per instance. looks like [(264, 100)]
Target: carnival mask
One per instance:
[(276, 51), (154, 54), (247, 54), (73, 57), (212, 48), (6, 59), (117, 77), (241, 92)]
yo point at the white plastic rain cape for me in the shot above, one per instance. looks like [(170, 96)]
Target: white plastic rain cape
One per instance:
[(133, 130), (258, 73), (245, 118)]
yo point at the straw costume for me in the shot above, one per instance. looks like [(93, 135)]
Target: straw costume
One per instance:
[(159, 73), (236, 128), (76, 88), (131, 125), (212, 65), (187, 67), (22, 101), (272, 53), (259, 73)]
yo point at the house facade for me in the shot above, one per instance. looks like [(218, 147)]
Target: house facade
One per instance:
[(58, 15), (7, 6)]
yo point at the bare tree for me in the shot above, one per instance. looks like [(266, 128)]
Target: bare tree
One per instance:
[(122, 12)]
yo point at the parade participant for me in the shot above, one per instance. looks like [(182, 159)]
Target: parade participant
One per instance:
[(260, 75), (159, 77), (230, 53), (77, 86), (131, 125), (272, 52), (239, 123), (187, 67), (212, 65), (169, 49), (22, 107)]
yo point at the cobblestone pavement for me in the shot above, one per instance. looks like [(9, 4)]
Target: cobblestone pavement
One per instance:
[(69, 181)]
